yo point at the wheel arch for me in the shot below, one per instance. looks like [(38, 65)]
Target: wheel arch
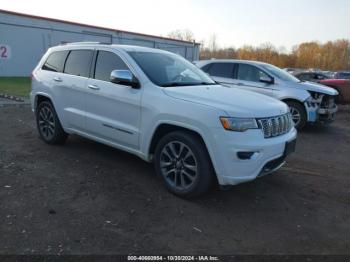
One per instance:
[(291, 99), (59, 136), (165, 128), (303, 106), (40, 97)]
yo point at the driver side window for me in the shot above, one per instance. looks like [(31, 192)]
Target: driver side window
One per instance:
[(106, 62), (250, 73)]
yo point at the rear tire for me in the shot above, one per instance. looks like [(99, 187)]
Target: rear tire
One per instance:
[(298, 113), (48, 124), (183, 164)]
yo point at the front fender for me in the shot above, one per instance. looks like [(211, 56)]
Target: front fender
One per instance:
[(289, 94)]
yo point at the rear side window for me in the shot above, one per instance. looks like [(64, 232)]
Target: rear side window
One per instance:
[(78, 63), (107, 62), (221, 70), (55, 61)]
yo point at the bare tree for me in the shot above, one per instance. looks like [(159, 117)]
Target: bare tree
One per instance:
[(213, 46), (333, 55), (182, 34)]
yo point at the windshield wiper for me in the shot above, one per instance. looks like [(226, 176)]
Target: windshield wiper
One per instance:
[(170, 84), (209, 84), (174, 84)]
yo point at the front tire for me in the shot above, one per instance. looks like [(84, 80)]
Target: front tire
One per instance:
[(48, 124), (183, 164), (298, 113)]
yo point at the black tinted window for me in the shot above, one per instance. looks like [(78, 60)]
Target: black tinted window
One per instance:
[(55, 61), (305, 77), (78, 63), (107, 62), (221, 70), (250, 73), (320, 77)]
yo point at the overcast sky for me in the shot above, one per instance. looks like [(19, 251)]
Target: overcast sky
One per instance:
[(235, 22)]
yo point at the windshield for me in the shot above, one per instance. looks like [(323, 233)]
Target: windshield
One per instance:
[(166, 69), (279, 73)]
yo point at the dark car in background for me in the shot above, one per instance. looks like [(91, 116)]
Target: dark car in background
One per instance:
[(342, 75), (311, 76)]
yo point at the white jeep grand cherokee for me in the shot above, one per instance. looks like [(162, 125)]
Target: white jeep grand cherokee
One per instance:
[(162, 108)]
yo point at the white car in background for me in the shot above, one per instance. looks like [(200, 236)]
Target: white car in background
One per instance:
[(162, 108), (308, 102)]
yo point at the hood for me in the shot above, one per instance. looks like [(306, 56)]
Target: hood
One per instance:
[(313, 87), (234, 101)]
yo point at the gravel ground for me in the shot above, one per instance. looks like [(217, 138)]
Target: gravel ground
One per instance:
[(87, 198), (10, 102)]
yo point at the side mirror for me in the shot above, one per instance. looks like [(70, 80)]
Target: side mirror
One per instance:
[(267, 80), (124, 77)]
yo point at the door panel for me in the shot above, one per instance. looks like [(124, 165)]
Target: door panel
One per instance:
[(73, 82), (112, 110), (68, 89), (72, 92), (248, 78)]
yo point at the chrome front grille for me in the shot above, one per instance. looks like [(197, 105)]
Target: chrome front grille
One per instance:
[(276, 126)]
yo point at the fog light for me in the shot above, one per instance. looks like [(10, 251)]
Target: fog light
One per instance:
[(245, 155)]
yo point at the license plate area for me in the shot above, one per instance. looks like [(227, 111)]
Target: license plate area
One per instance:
[(289, 147)]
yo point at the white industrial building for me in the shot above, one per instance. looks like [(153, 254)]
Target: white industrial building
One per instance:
[(25, 38)]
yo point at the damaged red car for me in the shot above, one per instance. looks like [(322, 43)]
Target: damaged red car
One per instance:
[(342, 86)]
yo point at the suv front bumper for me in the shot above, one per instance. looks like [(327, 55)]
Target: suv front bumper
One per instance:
[(269, 155)]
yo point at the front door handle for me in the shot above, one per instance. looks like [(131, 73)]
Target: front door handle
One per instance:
[(57, 79), (93, 87), (240, 84)]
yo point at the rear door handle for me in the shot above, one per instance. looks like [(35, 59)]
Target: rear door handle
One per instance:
[(240, 84), (93, 87), (57, 79)]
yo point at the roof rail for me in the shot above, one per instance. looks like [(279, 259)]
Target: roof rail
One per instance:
[(85, 43)]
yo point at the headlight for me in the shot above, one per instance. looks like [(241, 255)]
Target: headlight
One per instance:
[(314, 95), (238, 124)]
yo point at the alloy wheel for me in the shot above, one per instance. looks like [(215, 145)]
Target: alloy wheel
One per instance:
[(178, 165), (46, 122), (296, 117)]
